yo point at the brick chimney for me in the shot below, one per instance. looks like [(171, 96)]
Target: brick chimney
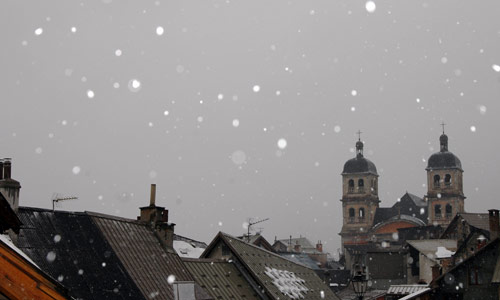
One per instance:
[(297, 248), (319, 246), (9, 187), (435, 271), (157, 218), (494, 224)]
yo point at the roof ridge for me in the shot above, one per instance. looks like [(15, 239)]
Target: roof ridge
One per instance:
[(111, 217)]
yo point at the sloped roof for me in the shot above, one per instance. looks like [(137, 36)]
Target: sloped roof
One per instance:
[(220, 278), (408, 205), (405, 289), (433, 248), (147, 262), (186, 249), (263, 264), (70, 248), (478, 220), (301, 258), (8, 218), (304, 243)]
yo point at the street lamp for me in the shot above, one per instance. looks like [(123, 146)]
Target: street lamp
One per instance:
[(359, 284)]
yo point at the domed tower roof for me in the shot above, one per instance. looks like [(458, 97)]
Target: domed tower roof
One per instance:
[(443, 159), (359, 164)]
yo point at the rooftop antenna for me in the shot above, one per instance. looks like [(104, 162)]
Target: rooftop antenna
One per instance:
[(250, 224), (56, 198)]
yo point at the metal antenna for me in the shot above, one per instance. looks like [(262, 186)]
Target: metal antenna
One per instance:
[(251, 224), (57, 198)]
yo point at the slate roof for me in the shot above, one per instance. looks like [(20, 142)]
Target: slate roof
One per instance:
[(409, 205), (144, 258), (8, 218), (70, 248), (257, 262), (305, 245), (99, 256), (301, 258), (220, 279), (478, 220)]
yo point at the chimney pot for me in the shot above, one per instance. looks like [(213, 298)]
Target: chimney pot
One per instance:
[(7, 166), (494, 223), (153, 195)]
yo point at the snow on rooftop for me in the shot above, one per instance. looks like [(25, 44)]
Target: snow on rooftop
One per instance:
[(185, 249), (287, 282), (442, 252), (7, 240)]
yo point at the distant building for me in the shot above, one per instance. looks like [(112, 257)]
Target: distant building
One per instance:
[(364, 222), (270, 275)]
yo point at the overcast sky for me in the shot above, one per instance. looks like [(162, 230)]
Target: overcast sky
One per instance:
[(239, 109)]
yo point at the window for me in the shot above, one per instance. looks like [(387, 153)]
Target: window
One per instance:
[(351, 186), (475, 277), (361, 185), (447, 179), (448, 211), (437, 211), (361, 213), (183, 290), (437, 178), (352, 214)]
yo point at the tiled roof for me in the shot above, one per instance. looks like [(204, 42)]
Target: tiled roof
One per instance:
[(70, 248), (405, 289), (259, 263), (147, 262), (220, 279)]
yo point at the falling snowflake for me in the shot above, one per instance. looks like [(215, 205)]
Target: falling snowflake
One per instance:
[(496, 68), (282, 143), (171, 279), (159, 30), (90, 94), (134, 85), (118, 52), (256, 88), (76, 170), (236, 123), (370, 6), (38, 31)]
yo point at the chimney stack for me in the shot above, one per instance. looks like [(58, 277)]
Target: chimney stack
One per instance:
[(152, 199), (8, 186), (435, 271), (319, 246), (297, 247), (494, 224)]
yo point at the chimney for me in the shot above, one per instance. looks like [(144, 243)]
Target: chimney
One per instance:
[(153, 213), (297, 247), (494, 224), (152, 198), (319, 247), (1, 169), (9, 187), (481, 242), (435, 271)]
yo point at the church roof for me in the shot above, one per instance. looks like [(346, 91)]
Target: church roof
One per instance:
[(443, 159), (359, 164), (409, 205)]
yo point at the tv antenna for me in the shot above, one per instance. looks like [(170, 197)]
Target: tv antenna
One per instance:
[(56, 198), (250, 224)]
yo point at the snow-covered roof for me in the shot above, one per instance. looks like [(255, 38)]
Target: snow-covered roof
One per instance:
[(189, 250), (8, 241)]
